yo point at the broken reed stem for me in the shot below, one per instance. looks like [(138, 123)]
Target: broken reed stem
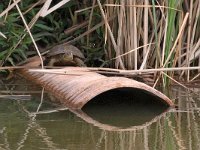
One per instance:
[(195, 24), (111, 34), (146, 2), (133, 50), (48, 111), (41, 100), (120, 28), (33, 5), (30, 25), (174, 80), (89, 31), (114, 71), (142, 6), (90, 20), (9, 8), (135, 37), (46, 10), (1, 34), (188, 39), (10, 1), (176, 41), (30, 34), (146, 56), (195, 77)]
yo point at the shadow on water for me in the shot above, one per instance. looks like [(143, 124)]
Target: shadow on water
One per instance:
[(124, 107)]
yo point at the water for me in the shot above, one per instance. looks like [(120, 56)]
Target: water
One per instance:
[(98, 127)]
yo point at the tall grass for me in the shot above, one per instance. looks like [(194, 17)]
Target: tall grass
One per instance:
[(173, 43), (127, 34)]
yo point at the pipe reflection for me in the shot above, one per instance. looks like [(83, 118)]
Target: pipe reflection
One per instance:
[(104, 126)]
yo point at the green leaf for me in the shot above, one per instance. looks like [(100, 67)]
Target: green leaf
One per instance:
[(11, 61), (44, 27), (21, 52), (42, 34), (2, 54)]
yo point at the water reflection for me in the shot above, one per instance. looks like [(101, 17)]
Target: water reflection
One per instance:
[(123, 108), (23, 129)]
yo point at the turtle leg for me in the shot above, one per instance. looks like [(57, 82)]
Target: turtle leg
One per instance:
[(79, 62), (51, 62)]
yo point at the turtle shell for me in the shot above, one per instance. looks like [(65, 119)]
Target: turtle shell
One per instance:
[(65, 48)]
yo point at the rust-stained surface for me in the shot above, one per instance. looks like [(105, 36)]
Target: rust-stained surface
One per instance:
[(79, 85)]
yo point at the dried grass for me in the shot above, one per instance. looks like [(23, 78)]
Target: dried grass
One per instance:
[(131, 25), (167, 24)]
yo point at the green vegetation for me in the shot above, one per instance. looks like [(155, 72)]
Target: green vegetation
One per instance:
[(111, 33)]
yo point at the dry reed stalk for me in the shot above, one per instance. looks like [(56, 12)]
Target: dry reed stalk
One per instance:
[(76, 27), (16, 97), (12, 67), (119, 39), (48, 111), (109, 12), (91, 30), (3, 35), (30, 25), (113, 71), (40, 2), (135, 44), (156, 81), (195, 51), (129, 33), (188, 39), (133, 50), (179, 51), (30, 34), (9, 8), (175, 80), (146, 56), (142, 6), (59, 72), (119, 61), (163, 69), (178, 36), (133, 27), (177, 58), (90, 20), (195, 21), (8, 11), (146, 26), (195, 77), (132, 19), (41, 100), (46, 10)]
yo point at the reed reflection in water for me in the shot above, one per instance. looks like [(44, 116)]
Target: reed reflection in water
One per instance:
[(172, 129)]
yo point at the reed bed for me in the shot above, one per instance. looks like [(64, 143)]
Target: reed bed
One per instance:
[(136, 35), (167, 32)]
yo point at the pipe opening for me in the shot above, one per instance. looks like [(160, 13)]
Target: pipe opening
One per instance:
[(128, 96), (125, 107)]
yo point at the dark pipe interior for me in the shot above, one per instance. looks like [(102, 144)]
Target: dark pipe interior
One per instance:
[(125, 107)]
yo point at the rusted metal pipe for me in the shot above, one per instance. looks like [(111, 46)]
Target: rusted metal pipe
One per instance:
[(79, 85)]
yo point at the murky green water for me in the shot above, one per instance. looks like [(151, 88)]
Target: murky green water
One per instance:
[(107, 126)]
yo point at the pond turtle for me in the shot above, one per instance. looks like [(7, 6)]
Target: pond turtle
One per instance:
[(65, 55)]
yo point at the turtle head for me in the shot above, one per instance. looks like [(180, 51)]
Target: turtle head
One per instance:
[(68, 56)]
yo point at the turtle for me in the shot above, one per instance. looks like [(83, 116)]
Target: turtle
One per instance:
[(65, 55)]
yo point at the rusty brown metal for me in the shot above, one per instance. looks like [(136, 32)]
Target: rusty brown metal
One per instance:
[(77, 86)]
